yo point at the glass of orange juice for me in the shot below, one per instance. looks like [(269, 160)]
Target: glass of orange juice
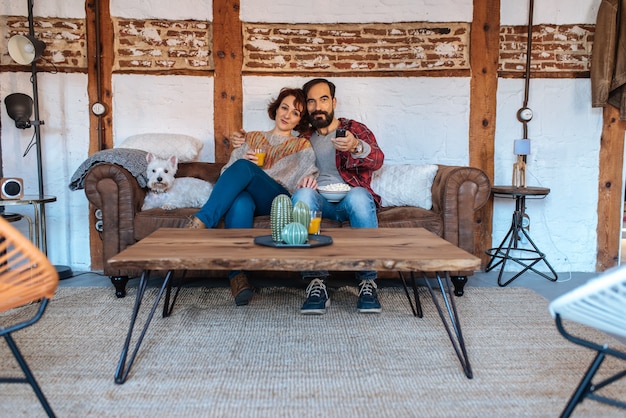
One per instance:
[(316, 222), (260, 155)]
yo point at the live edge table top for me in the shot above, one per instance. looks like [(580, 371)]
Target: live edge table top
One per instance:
[(392, 249)]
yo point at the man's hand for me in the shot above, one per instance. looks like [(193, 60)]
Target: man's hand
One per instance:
[(345, 143), (308, 181), (238, 138)]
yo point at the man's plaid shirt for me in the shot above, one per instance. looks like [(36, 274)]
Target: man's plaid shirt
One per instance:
[(358, 171)]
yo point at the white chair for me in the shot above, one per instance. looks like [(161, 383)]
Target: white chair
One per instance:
[(600, 304)]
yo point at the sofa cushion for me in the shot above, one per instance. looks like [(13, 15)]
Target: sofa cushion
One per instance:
[(186, 148), (410, 217), (264, 222), (148, 221), (405, 184)]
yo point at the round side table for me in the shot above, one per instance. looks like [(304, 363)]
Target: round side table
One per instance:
[(40, 227), (40, 238), (509, 249), (16, 217)]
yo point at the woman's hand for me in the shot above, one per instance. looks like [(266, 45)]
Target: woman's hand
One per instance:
[(308, 181), (250, 155), (238, 138)]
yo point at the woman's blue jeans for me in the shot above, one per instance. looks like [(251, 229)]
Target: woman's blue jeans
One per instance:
[(242, 192), (358, 207)]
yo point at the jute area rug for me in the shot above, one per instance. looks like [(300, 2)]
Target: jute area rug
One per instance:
[(212, 359)]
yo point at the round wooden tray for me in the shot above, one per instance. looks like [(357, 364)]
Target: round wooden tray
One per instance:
[(314, 241)]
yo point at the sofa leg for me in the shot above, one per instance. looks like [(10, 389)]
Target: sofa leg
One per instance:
[(459, 284), (120, 285)]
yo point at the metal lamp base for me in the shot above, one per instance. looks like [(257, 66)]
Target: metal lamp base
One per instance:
[(65, 272)]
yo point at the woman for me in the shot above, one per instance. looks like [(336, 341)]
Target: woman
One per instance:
[(245, 190)]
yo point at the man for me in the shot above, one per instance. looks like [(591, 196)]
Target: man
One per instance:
[(348, 159)]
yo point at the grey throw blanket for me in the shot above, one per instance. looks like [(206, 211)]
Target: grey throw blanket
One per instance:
[(133, 160)]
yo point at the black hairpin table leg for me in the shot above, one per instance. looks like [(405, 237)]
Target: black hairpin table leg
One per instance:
[(125, 363), (453, 328), (417, 306), (167, 306)]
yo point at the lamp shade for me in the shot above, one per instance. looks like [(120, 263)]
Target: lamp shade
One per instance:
[(19, 108), (24, 49)]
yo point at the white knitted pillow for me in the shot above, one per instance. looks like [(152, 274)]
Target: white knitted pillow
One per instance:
[(405, 184), (185, 147)]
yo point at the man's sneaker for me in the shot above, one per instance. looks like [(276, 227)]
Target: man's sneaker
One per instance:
[(368, 298), (316, 298)]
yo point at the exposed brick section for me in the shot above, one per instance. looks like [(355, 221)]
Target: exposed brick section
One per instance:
[(65, 39), (352, 48), (555, 48), (162, 45), (158, 45)]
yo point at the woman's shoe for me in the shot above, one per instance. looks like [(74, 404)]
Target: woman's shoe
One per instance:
[(195, 223), (241, 289)]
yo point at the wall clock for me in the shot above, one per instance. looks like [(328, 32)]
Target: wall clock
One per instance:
[(98, 109), (524, 114)]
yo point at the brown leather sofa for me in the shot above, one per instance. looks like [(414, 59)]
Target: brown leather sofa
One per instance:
[(457, 192)]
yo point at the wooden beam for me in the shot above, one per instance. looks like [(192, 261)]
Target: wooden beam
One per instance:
[(484, 55), (99, 72), (610, 189), (228, 91), (99, 87)]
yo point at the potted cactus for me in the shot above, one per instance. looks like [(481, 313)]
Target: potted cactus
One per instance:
[(302, 214), (280, 215), (294, 233)]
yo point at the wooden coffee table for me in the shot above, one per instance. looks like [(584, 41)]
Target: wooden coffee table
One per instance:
[(412, 250)]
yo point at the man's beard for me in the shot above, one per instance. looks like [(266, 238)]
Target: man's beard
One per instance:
[(318, 123)]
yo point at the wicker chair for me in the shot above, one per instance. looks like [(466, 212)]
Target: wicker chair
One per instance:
[(26, 278), (600, 304)]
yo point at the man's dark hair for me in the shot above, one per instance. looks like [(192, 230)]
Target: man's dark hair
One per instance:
[(307, 86)]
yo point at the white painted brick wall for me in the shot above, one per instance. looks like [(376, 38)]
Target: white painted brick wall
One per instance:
[(415, 119)]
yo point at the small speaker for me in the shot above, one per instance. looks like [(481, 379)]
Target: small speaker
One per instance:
[(11, 188)]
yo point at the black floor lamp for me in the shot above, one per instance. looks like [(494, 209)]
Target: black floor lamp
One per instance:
[(25, 50)]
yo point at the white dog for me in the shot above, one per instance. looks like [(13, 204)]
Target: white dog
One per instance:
[(167, 192)]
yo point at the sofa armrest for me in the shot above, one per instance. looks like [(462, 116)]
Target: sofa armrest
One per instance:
[(115, 191), (457, 193)]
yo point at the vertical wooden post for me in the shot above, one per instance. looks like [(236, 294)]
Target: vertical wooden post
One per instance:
[(99, 87), (484, 55), (99, 72), (610, 189), (228, 91)]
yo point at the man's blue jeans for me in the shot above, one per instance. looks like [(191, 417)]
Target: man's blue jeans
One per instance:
[(243, 191), (358, 207)]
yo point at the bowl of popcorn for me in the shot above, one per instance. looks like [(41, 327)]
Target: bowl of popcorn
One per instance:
[(334, 192)]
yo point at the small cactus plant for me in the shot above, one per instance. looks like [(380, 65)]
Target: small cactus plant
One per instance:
[(302, 214), (295, 233), (280, 215)]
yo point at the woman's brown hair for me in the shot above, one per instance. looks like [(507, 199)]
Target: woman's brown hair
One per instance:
[(299, 102)]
